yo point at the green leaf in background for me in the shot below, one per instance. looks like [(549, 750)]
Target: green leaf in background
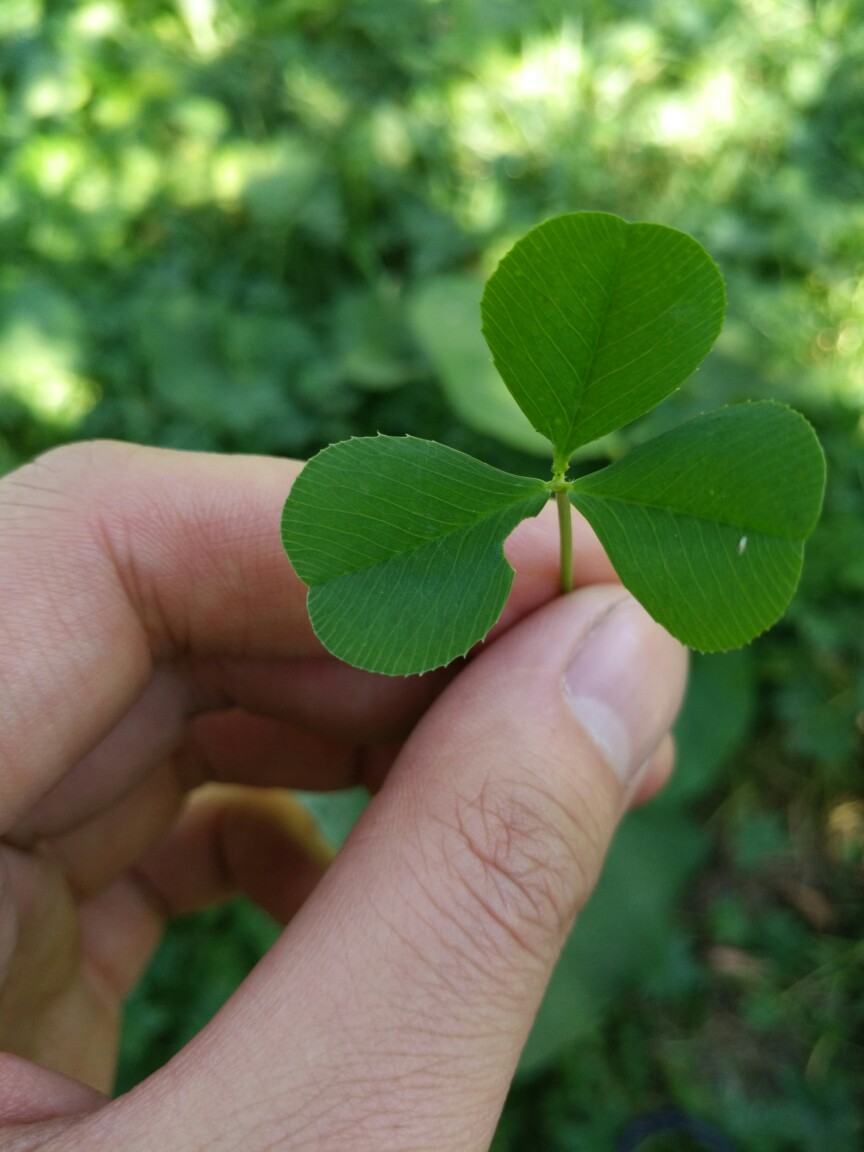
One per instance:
[(443, 313), (706, 524), (705, 748), (371, 341), (400, 541), (592, 321)]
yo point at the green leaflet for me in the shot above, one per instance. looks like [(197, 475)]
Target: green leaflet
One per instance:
[(706, 524), (592, 321), (400, 540)]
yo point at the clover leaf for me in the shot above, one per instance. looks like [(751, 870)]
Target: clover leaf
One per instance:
[(591, 322)]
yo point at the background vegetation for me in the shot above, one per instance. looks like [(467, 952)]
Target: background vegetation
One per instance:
[(259, 227)]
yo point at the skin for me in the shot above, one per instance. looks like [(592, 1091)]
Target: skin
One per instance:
[(160, 687)]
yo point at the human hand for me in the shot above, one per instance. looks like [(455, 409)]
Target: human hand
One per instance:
[(153, 639)]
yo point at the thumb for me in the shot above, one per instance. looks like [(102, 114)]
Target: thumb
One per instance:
[(391, 1014)]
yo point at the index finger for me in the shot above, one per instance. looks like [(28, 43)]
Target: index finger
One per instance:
[(114, 558)]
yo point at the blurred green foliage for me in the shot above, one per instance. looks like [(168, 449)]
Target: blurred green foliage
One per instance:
[(242, 226)]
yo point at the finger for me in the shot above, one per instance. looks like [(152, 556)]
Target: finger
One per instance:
[(224, 747), (119, 780), (47, 990), (98, 832), (99, 850), (114, 556), (138, 744), (321, 694), (29, 1093), (237, 748), (412, 975), (119, 930), (230, 840), (342, 705)]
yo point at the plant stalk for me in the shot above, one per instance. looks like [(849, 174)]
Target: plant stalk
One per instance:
[(565, 526)]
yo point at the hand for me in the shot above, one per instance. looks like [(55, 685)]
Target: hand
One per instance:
[(158, 683)]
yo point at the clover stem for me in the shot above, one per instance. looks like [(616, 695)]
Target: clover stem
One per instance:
[(565, 526)]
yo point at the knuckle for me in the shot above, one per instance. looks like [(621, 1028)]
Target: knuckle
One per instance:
[(524, 862)]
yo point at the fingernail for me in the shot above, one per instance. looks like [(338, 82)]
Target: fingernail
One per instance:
[(624, 686)]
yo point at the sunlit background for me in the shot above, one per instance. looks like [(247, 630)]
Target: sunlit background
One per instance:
[(261, 226)]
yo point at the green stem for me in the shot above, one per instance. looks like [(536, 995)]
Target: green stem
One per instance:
[(565, 526)]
